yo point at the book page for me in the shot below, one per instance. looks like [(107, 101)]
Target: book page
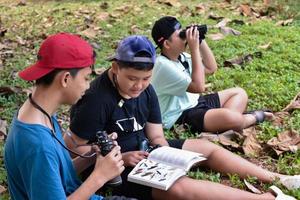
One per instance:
[(154, 174), (176, 157)]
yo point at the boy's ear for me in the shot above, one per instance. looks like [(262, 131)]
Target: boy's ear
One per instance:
[(64, 78), (166, 44), (114, 67)]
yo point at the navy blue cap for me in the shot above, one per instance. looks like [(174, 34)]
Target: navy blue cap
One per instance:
[(130, 46), (164, 28)]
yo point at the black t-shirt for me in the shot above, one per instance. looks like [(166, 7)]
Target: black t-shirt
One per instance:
[(103, 108)]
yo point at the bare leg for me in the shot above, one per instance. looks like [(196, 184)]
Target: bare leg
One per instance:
[(223, 119), (221, 160), (189, 189), (235, 99)]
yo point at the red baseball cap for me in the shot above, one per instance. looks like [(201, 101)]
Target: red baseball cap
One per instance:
[(60, 51)]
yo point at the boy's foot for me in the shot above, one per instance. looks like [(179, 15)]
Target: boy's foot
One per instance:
[(261, 115), (279, 194)]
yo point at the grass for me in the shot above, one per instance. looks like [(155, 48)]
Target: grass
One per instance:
[(270, 81)]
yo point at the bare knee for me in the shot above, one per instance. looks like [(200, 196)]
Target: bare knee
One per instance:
[(241, 93)]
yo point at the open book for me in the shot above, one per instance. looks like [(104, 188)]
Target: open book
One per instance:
[(163, 167)]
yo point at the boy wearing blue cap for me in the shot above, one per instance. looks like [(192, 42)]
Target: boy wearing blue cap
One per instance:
[(179, 78), (122, 100)]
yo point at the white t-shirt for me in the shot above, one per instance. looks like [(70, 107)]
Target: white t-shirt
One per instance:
[(170, 80)]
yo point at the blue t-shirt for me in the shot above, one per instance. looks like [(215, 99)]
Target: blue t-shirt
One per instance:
[(38, 167), (103, 108)]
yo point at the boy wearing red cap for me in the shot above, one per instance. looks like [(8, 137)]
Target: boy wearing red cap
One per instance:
[(38, 166), (179, 78), (122, 100)]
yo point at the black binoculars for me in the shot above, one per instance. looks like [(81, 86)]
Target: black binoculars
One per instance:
[(106, 144), (144, 145), (201, 28)]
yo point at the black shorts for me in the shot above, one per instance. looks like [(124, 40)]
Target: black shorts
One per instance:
[(176, 143), (194, 117)]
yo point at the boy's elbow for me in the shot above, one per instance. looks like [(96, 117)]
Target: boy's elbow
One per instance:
[(212, 69), (196, 88)]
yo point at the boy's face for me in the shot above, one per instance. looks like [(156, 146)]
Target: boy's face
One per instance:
[(175, 43), (76, 86), (131, 82)]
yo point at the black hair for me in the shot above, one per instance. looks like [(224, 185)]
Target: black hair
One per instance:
[(145, 66), (48, 78)]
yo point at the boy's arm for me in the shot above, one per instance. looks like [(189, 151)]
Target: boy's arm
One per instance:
[(79, 163), (105, 169), (197, 84), (208, 58), (155, 134)]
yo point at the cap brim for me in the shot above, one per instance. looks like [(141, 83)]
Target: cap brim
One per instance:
[(34, 72)]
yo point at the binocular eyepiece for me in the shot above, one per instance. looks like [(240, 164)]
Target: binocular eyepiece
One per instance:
[(201, 28)]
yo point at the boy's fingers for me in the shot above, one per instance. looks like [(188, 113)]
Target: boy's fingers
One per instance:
[(115, 150), (113, 136)]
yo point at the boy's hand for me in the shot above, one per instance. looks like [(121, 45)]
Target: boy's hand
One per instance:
[(132, 158), (111, 165), (192, 37)]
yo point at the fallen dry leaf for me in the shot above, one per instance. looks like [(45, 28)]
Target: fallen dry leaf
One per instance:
[(216, 36), (103, 16), (213, 137), (134, 29), (22, 3), (2, 189), (286, 141), (251, 146), (248, 131), (2, 31), (174, 3), (214, 16), (265, 46), (104, 5), (179, 129), (222, 23), (242, 59), (251, 187), (279, 118), (284, 22), (20, 40), (200, 8), (227, 138), (237, 21), (3, 46), (267, 2), (7, 90), (294, 104), (90, 33), (246, 10), (229, 31), (3, 126), (27, 91), (124, 9)]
